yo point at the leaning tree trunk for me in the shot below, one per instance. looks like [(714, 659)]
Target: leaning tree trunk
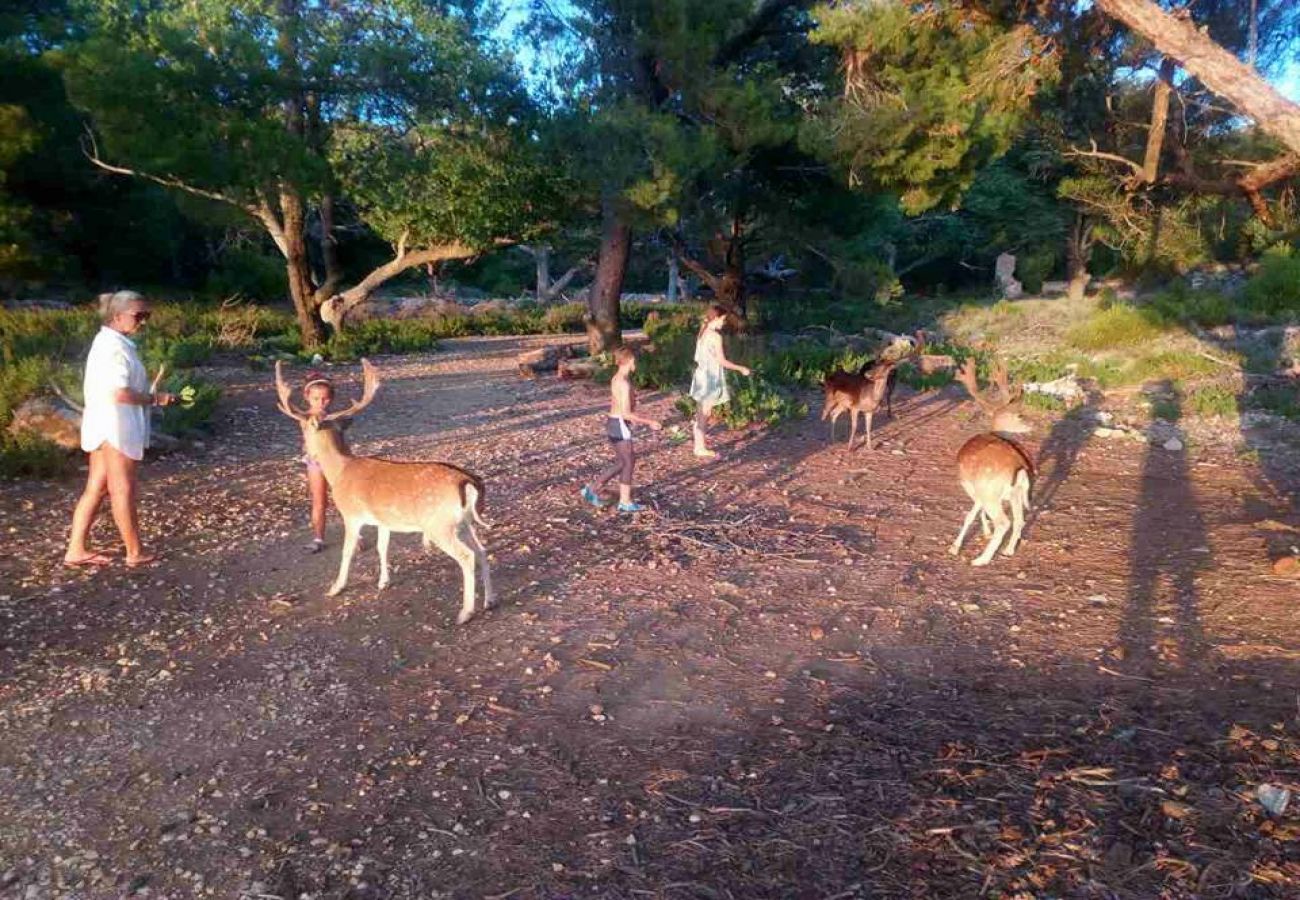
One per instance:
[(611, 267), (1214, 66), (335, 310)]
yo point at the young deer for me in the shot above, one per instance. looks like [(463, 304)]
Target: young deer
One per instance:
[(994, 470), (438, 500), (863, 392)]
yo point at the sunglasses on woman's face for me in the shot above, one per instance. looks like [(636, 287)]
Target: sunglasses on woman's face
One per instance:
[(141, 316)]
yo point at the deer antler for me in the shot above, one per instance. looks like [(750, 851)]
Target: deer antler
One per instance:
[(967, 378), (918, 347), (1007, 396), (285, 393), (369, 385)]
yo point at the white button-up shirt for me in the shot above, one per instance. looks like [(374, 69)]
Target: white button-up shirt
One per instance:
[(112, 364)]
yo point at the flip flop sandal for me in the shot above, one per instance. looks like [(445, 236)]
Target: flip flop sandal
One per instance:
[(143, 562), (93, 561)]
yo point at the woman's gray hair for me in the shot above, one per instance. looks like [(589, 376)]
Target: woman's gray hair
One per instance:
[(114, 304)]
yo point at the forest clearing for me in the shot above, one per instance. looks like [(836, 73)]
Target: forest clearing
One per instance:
[(776, 684), (558, 309)]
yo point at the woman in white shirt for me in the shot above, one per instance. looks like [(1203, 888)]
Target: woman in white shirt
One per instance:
[(114, 429)]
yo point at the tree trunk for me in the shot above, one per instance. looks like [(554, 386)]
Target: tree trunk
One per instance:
[(731, 291), (1159, 119), (674, 277), (1078, 249), (293, 217), (542, 256), (611, 267), (1217, 69), (329, 251), (298, 268), (336, 309)]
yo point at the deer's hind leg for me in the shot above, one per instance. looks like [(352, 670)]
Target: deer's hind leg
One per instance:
[(1019, 503), (1001, 525), (381, 544), (447, 539), (975, 510), (470, 537)]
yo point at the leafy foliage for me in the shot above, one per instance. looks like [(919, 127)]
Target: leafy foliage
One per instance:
[(1275, 289), (932, 93)]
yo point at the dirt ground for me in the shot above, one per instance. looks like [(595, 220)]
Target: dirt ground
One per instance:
[(777, 683)]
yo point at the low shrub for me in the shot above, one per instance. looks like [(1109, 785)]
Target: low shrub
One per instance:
[(1278, 400), (1275, 289), (754, 401), (180, 419), (1206, 308), (176, 353), (27, 455), (376, 336), (21, 380), (1118, 326), (1213, 400)]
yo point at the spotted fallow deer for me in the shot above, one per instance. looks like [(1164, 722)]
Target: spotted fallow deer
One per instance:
[(995, 471), (438, 500), (863, 392)]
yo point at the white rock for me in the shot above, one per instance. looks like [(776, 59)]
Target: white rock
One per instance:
[(1273, 798)]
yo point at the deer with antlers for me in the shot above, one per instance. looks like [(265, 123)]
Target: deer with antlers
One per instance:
[(995, 471), (863, 392), (438, 500)]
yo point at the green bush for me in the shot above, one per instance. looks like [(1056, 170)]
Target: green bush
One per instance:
[(670, 359), (376, 336), (21, 380), (1118, 326), (754, 401), (52, 333), (180, 420), (757, 401), (27, 455), (1280, 400), (1180, 303), (1275, 289), (1035, 266), (176, 353)]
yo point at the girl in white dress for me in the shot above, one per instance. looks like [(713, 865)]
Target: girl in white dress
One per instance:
[(709, 384), (114, 429)]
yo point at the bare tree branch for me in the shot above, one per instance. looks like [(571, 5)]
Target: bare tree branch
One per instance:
[(91, 151)]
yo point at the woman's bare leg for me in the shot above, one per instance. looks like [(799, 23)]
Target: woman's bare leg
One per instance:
[(87, 510), (122, 490)]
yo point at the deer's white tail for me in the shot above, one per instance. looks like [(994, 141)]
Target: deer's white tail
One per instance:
[(473, 495)]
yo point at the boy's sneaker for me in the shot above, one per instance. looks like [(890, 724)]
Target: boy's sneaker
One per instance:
[(316, 546), (590, 496), (630, 507)]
